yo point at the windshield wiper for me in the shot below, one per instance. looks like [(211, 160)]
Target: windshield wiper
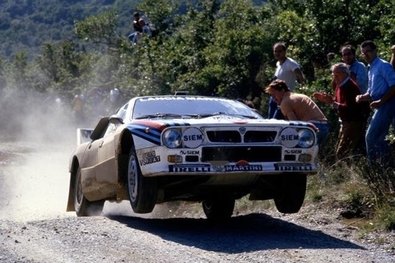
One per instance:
[(206, 115), (159, 115)]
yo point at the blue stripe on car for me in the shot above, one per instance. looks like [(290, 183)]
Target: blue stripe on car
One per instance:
[(152, 136)]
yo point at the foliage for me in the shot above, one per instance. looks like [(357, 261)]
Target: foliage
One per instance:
[(357, 191)]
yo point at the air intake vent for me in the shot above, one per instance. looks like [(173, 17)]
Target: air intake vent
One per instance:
[(224, 136), (234, 154), (260, 136)]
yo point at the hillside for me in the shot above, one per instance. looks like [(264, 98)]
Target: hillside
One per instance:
[(27, 24)]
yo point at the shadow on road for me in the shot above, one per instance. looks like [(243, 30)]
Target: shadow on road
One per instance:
[(245, 233)]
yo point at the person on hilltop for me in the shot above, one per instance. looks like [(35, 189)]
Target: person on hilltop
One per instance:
[(353, 116), (381, 96), (287, 70), (140, 27)]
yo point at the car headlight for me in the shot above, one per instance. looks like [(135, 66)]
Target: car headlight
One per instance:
[(172, 138), (306, 138)]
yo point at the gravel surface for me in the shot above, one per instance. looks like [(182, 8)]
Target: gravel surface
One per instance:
[(34, 226)]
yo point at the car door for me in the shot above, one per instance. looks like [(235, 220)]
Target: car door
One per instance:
[(106, 170)]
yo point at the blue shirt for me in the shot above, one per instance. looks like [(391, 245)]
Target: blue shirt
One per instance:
[(381, 77), (358, 70)]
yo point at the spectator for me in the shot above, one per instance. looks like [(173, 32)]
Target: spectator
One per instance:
[(77, 106), (392, 61), (353, 116), (381, 95), (295, 106), (358, 71), (139, 27), (287, 70), (137, 24), (330, 57)]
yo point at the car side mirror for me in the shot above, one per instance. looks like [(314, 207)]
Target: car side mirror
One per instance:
[(116, 119), (100, 128)]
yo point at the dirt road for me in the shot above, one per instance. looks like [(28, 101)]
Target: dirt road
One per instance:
[(34, 226)]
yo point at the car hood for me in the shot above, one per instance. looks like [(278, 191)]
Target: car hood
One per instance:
[(215, 120)]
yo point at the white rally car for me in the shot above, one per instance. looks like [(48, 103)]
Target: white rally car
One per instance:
[(159, 149)]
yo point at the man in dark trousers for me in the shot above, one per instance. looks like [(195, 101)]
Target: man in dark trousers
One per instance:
[(353, 116)]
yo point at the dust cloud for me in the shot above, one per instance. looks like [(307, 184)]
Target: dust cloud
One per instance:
[(37, 136)]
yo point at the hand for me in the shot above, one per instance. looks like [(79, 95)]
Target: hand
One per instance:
[(375, 104), (362, 97), (323, 97)]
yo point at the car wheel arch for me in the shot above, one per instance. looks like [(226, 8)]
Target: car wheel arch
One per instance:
[(126, 144)]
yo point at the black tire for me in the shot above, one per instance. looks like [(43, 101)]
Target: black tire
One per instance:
[(290, 193), (84, 207), (218, 209), (142, 191)]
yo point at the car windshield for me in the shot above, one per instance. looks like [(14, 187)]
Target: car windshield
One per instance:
[(190, 107)]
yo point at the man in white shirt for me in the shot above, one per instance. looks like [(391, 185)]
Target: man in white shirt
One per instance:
[(287, 70)]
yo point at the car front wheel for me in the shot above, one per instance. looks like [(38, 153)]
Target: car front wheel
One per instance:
[(291, 190), (218, 209), (84, 207), (143, 191)]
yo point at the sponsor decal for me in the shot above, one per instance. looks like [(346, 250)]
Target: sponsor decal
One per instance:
[(188, 168), (293, 151), (289, 137), (149, 158), (189, 152), (293, 167), (237, 168), (192, 137)]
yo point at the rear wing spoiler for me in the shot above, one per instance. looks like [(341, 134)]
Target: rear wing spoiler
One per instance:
[(83, 135)]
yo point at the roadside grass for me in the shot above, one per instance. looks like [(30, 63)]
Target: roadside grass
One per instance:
[(358, 191)]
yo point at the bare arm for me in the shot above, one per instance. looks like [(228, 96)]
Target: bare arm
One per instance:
[(291, 116), (392, 61), (299, 76)]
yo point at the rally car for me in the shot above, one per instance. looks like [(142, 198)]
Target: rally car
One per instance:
[(211, 150)]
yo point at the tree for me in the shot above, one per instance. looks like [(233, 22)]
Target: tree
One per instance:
[(100, 29)]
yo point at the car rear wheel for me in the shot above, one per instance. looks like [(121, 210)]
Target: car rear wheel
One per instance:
[(218, 209), (143, 191), (84, 207), (291, 190)]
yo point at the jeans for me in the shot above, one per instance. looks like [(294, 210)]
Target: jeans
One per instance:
[(274, 111), (377, 147), (323, 132)]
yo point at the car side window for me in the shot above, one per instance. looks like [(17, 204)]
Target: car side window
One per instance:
[(122, 111), (111, 128)]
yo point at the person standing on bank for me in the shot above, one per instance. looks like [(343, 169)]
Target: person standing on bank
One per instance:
[(358, 71), (381, 95), (287, 70), (392, 61), (352, 115), (295, 106)]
